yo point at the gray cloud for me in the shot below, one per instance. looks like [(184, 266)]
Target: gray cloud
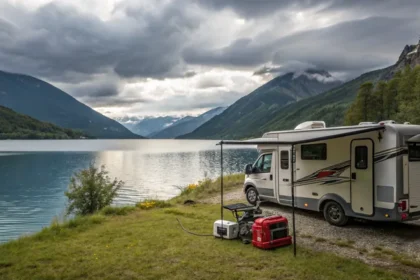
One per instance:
[(190, 74), (352, 46), (258, 8), (290, 66), (59, 42), (93, 58), (113, 101)]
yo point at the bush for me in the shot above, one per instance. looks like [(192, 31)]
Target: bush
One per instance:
[(91, 190), (150, 203)]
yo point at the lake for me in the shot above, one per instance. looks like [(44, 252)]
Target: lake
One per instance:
[(34, 174)]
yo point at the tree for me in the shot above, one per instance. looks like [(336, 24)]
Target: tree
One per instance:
[(361, 109), (90, 190), (391, 99), (405, 93), (415, 108), (379, 100)]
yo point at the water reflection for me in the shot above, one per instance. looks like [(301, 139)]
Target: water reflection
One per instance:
[(32, 184)]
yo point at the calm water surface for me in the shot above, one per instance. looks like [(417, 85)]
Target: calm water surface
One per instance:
[(35, 174)]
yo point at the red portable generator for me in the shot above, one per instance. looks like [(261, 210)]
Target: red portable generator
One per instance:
[(271, 232)]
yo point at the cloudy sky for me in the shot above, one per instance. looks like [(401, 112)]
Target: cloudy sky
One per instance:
[(160, 57)]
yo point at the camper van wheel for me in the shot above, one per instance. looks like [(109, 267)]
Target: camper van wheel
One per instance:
[(334, 214), (252, 195)]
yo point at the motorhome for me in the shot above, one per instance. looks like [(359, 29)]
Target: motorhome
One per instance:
[(369, 171)]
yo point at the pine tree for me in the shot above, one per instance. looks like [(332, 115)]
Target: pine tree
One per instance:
[(361, 109), (415, 106), (391, 97), (406, 95), (379, 98)]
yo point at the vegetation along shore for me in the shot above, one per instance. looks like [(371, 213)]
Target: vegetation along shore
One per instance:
[(146, 242)]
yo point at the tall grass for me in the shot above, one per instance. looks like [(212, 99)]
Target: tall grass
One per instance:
[(208, 187)]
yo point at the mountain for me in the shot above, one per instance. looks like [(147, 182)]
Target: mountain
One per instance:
[(248, 114), (187, 124), (40, 100), (329, 106), (409, 56), (18, 126), (148, 126), (332, 105)]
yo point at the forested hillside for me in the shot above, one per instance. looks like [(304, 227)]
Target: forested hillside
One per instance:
[(18, 126), (33, 97), (248, 115), (397, 99)]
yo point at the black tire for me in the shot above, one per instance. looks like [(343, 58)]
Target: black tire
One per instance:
[(334, 214), (252, 195)]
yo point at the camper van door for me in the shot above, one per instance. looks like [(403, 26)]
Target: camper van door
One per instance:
[(362, 176), (263, 175), (284, 175)]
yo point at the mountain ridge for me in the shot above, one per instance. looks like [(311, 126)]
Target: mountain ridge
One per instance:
[(36, 98), (18, 126), (187, 124), (251, 110)]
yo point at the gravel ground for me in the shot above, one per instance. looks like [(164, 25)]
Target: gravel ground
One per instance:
[(367, 241)]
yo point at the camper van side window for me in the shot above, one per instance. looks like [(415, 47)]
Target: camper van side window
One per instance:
[(284, 158), (414, 153), (314, 151), (361, 157)]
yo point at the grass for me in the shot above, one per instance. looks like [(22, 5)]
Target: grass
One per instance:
[(153, 203), (320, 240), (382, 252), (149, 244), (117, 211), (208, 188), (146, 242)]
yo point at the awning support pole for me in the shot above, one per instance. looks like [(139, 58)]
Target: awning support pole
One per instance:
[(293, 198), (221, 185)]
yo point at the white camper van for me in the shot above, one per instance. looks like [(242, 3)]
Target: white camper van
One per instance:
[(369, 171)]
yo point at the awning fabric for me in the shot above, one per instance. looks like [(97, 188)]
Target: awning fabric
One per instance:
[(414, 139), (294, 137)]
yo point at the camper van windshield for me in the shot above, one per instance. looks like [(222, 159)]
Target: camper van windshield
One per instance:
[(414, 153)]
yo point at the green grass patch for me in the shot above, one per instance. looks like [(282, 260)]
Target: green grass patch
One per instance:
[(117, 211), (381, 252), (208, 188), (151, 245), (320, 239)]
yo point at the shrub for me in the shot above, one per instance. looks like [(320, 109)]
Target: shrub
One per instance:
[(91, 190), (151, 203)]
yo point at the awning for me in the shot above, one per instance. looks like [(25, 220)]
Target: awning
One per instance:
[(414, 139), (294, 137)]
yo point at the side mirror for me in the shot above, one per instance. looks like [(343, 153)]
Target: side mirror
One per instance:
[(248, 169)]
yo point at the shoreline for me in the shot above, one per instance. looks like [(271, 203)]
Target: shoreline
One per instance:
[(124, 229)]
